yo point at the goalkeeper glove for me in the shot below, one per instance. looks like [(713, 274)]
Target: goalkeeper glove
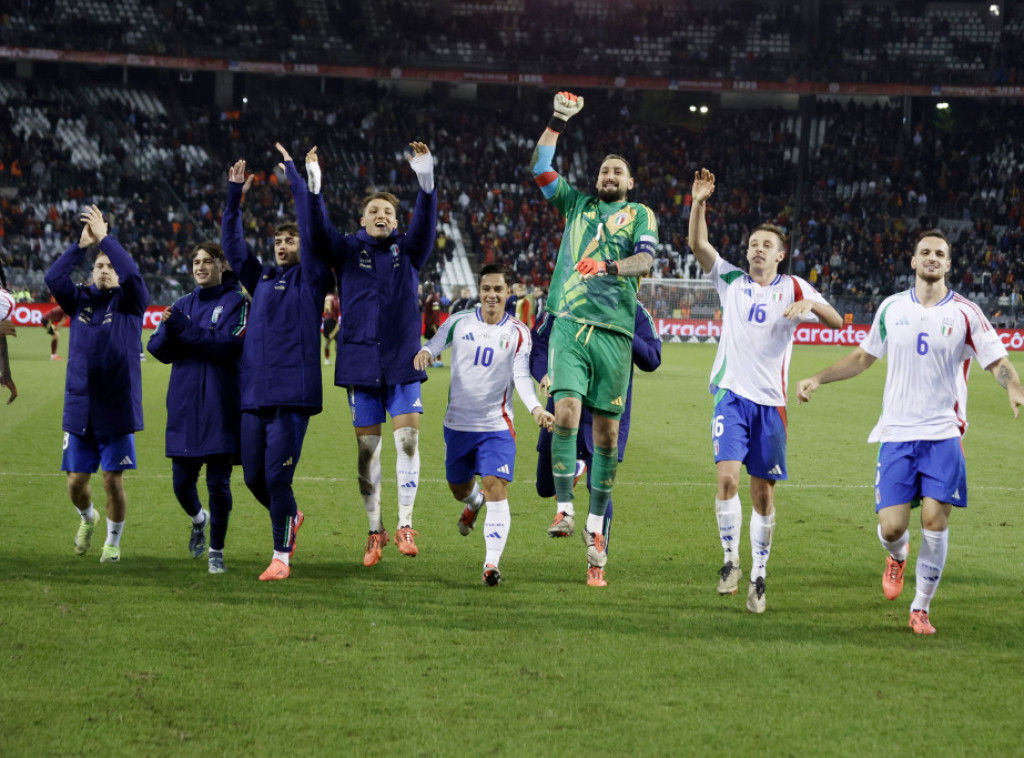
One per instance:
[(567, 105), (588, 267)]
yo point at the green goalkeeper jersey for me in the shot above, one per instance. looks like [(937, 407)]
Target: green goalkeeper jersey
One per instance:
[(604, 232)]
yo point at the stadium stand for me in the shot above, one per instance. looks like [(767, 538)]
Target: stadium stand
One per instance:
[(852, 180)]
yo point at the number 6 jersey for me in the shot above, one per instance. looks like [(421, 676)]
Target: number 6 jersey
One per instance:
[(926, 350)]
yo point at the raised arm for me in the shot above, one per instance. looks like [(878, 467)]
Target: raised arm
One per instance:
[(134, 294), (243, 261), (313, 221), (566, 105), (419, 241), (703, 188), (849, 366), (58, 278), (1006, 375)]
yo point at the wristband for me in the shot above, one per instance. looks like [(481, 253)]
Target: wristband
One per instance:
[(611, 268), (556, 124)]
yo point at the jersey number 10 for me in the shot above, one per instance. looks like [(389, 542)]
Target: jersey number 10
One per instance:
[(484, 356)]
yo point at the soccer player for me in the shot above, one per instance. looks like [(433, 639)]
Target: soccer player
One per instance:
[(332, 313), (646, 356), (748, 380), (281, 375), (6, 330), (607, 245), (103, 385), (928, 335), (490, 355), (201, 336), (378, 277)]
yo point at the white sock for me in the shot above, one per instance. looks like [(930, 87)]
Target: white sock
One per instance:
[(283, 557), (761, 529), (474, 499), (200, 517), (114, 529), (89, 515), (566, 508), (408, 470), (369, 477), (496, 524), (899, 548), (595, 523), (729, 514), (931, 559), (215, 553)]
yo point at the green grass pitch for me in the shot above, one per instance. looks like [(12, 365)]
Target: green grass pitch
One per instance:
[(155, 657)]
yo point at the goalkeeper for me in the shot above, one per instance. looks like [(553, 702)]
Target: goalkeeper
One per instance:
[(607, 245)]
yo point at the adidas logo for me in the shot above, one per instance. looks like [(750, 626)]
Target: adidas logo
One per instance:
[(494, 535), (409, 485), (617, 401), (126, 461), (287, 462), (417, 404), (956, 495), (468, 337), (775, 470), (902, 322), (504, 470), (559, 467)]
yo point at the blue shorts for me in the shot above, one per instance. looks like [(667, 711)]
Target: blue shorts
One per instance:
[(755, 435), (369, 405), (84, 453), (923, 468), (486, 453)]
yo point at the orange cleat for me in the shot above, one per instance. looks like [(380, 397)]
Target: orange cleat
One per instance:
[(564, 525), (374, 546), (920, 624), (491, 575), (296, 523), (467, 521), (275, 571), (892, 578), (406, 543), (595, 577)]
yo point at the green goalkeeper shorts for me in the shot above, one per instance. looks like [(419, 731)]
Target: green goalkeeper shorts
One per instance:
[(592, 362)]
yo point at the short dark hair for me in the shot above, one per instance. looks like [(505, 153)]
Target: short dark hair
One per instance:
[(776, 230), (289, 227), (616, 157), (380, 196), (932, 233), (213, 248), (496, 268)]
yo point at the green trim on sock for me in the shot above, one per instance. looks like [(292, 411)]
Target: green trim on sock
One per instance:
[(602, 479), (563, 461)]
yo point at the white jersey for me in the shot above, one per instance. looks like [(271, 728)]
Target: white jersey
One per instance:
[(928, 351), (6, 304), (488, 360), (757, 339)]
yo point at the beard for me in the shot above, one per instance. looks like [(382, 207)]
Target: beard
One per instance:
[(608, 195)]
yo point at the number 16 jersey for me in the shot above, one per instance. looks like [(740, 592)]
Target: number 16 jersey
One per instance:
[(757, 339)]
